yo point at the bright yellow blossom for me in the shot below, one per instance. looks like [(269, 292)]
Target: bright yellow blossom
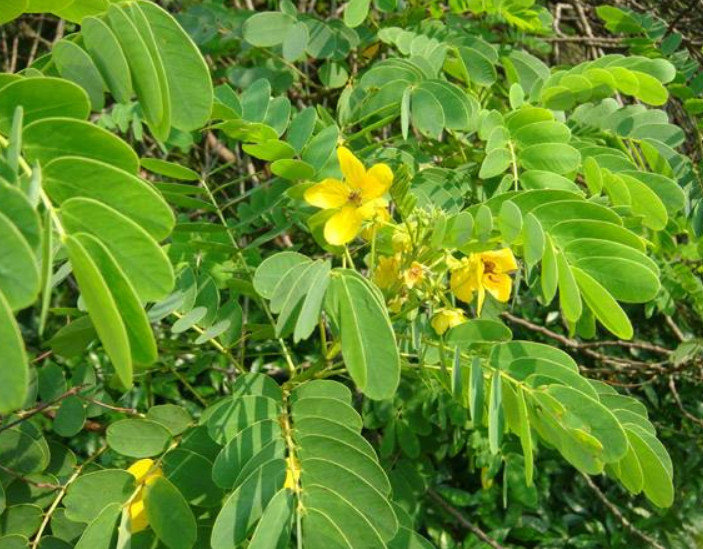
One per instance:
[(387, 272), (447, 318), (354, 200), (484, 272), (145, 473), (414, 275)]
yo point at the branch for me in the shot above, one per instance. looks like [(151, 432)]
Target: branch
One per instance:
[(461, 519), (618, 514), (39, 409), (586, 348)]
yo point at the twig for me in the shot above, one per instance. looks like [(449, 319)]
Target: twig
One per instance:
[(39, 409), (60, 495), (461, 519), (674, 328), (220, 149), (581, 347), (677, 398), (21, 476), (618, 514)]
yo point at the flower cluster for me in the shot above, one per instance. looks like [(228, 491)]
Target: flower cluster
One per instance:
[(358, 206)]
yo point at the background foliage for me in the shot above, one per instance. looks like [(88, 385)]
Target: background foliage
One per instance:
[(168, 293)]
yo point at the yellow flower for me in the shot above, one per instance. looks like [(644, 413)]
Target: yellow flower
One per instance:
[(145, 473), (387, 272), (414, 275), (447, 318), (292, 474), (484, 272), (354, 200)]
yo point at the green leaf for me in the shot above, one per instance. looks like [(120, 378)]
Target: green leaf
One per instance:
[(603, 305), (235, 414), (569, 295), (478, 331), (246, 504), (269, 150), (533, 240), (311, 308), (187, 74), (143, 68), (355, 12), (23, 450), (92, 492), (292, 169), (368, 342), (143, 261), (20, 520), (656, 467), (426, 113), (169, 514), (273, 269), (241, 449), (626, 280), (69, 417), (19, 278), (14, 375), (78, 9), (138, 438), (169, 169), (650, 90), (596, 418), (525, 434), (72, 177), (476, 392), (107, 55), (190, 473), (55, 137), (141, 339), (559, 158), (495, 163), (100, 531), (496, 417), (74, 64), (175, 418), (102, 309), (295, 42), (274, 527), (550, 271), (11, 9), (42, 98), (267, 29), (509, 221)]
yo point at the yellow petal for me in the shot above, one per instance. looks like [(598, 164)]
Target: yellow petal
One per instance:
[(373, 208), (137, 515), (503, 260), (481, 299), (352, 168), (466, 279), (447, 318), (343, 226), (329, 193), (377, 181), (498, 285), (139, 469)]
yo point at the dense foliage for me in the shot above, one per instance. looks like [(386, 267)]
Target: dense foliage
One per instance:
[(361, 276)]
